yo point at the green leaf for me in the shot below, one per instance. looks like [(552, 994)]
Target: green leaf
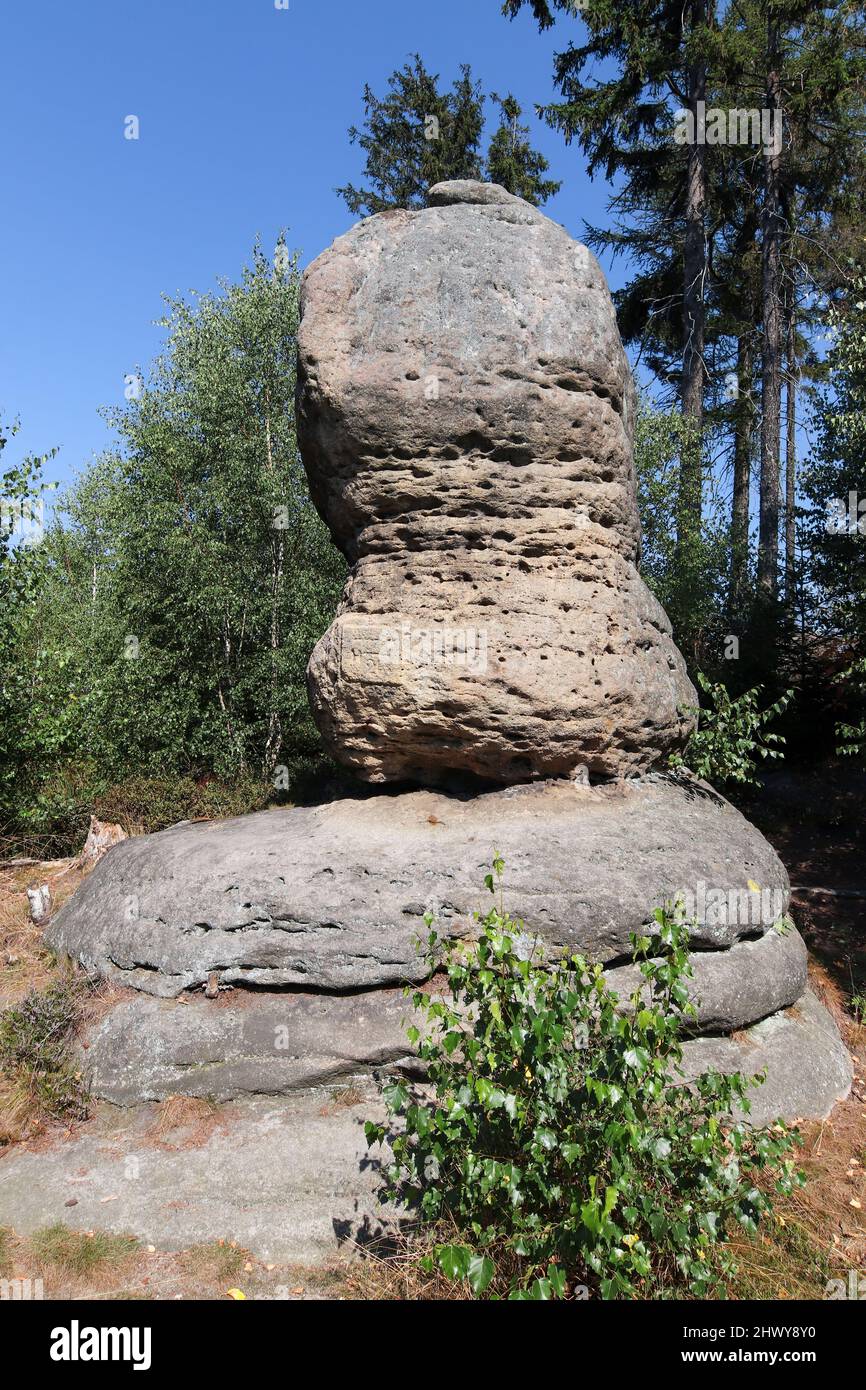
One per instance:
[(454, 1261), (480, 1272)]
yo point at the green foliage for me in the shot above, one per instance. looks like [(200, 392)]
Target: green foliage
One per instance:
[(171, 608), (697, 225), (556, 1142), (732, 734), (852, 737), (511, 160), (417, 136), (835, 530), (21, 570), (145, 804), (690, 581), (34, 1048)]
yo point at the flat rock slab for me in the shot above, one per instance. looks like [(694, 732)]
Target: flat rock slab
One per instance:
[(290, 1180), (807, 1066), (333, 897), (246, 1042), (149, 1049), (275, 1043)]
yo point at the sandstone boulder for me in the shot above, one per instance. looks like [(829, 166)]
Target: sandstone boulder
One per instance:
[(806, 1067), (466, 414), (248, 1043), (733, 988), (276, 1043), (334, 896)]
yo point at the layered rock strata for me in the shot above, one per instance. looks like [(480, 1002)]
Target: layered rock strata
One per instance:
[(304, 922), (333, 897), (465, 415)]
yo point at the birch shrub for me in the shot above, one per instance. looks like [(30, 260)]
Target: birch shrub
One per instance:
[(554, 1145)]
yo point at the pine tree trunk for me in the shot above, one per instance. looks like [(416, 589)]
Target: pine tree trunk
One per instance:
[(743, 430), (771, 375), (694, 273), (791, 439)]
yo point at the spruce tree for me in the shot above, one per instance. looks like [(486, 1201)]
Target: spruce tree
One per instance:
[(417, 136), (687, 216)]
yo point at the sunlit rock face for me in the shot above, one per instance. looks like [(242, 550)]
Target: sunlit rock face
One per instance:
[(466, 418)]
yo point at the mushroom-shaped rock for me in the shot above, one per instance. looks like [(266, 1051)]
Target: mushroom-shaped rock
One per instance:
[(466, 414)]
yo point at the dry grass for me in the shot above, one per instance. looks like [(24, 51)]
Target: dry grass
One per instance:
[(394, 1272), (821, 1231), (27, 968), (25, 962), (97, 1265), (38, 1080), (219, 1262), (184, 1122), (343, 1099), (17, 1117)]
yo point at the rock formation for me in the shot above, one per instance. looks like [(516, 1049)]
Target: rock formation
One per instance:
[(309, 918), (333, 897), (465, 415)]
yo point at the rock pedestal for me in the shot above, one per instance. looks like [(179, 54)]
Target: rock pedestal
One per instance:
[(333, 897), (465, 417), (307, 920)]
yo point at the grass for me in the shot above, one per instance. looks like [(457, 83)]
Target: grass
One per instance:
[(217, 1262), (343, 1098), (80, 1253), (184, 1122), (821, 1230), (38, 1081), (25, 961), (393, 1271), (98, 1265), (44, 1006), (17, 1119)]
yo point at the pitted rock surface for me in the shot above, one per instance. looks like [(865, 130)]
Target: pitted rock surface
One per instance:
[(334, 896), (466, 415)]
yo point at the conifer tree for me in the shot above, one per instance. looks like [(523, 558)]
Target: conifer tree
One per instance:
[(417, 136)]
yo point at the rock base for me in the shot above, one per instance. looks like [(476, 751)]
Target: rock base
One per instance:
[(290, 1179), (149, 1049), (302, 924), (333, 897)]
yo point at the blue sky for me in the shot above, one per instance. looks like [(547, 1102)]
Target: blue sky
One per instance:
[(243, 112)]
